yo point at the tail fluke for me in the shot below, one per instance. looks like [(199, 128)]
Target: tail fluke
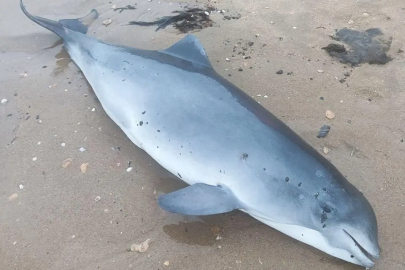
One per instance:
[(79, 25)]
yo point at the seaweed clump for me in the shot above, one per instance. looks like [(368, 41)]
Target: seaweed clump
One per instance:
[(185, 21), (370, 46)]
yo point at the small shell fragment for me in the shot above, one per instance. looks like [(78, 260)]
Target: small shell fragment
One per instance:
[(83, 167), (4, 100), (107, 22), (166, 263), (23, 75), (326, 150), (97, 198), (142, 247), (66, 163), (13, 197), (329, 114)]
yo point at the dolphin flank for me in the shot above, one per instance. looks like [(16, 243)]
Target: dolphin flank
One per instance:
[(232, 152)]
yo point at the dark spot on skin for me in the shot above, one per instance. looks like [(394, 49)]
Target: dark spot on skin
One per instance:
[(324, 189), (157, 146), (287, 179), (140, 123), (158, 130), (324, 225), (324, 217), (351, 256), (147, 122), (143, 112), (181, 146), (299, 184), (264, 169), (316, 195), (326, 209), (179, 175), (244, 156)]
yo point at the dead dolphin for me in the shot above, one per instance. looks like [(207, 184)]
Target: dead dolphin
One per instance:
[(232, 152)]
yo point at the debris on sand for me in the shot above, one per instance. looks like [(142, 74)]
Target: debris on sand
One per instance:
[(107, 22), (185, 21), (142, 247), (66, 163), (329, 114), (323, 131), (370, 46), (83, 167), (127, 7), (13, 197)]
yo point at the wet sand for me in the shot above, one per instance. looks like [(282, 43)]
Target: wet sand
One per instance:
[(66, 219)]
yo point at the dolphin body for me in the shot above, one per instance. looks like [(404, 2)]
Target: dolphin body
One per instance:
[(233, 153)]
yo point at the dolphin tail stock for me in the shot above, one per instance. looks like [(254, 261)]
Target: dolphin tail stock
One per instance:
[(58, 27)]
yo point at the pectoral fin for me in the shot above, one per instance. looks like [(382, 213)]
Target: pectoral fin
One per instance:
[(199, 200)]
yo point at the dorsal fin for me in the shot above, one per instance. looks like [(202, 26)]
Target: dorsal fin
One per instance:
[(189, 48)]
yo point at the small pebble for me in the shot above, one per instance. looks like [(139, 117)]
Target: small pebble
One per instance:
[(323, 131), (63, 144), (329, 114), (142, 247), (166, 263), (20, 186), (93, 110), (83, 167), (129, 169), (34, 158), (326, 150), (13, 197), (280, 72), (82, 149), (97, 198), (227, 59), (107, 22), (320, 71), (66, 163), (4, 100)]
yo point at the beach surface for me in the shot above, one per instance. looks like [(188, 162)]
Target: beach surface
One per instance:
[(68, 198)]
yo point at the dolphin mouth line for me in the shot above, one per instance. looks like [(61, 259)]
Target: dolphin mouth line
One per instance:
[(365, 252)]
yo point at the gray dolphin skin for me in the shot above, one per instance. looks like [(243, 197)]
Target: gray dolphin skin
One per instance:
[(233, 153)]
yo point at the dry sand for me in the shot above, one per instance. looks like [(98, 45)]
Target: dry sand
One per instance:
[(59, 222)]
